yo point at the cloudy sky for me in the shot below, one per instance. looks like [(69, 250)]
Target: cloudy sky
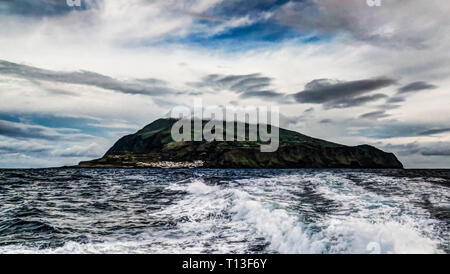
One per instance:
[(74, 79)]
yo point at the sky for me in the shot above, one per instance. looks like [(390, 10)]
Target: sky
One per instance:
[(74, 79)]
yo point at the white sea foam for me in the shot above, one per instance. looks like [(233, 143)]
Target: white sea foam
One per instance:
[(371, 219), (391, 222), (230, 218), (355, 235), (284, 232)]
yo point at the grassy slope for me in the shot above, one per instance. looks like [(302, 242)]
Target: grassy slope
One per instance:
[(154, 143)]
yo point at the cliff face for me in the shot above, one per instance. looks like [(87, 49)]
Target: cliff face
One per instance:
[(153, 146)]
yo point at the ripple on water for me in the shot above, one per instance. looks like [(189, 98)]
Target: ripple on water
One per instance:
[(226, 211)]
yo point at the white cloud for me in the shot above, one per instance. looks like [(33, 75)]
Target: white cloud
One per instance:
[(126, 40)]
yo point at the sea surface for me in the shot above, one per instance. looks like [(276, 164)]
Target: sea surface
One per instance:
[(224, 211)]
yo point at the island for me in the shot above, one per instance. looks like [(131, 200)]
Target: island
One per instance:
[(153, 147)]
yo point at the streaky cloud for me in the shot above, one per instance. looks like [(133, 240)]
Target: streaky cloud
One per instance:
[(246, 85), (151, 87), (435, 131), (43, 8), (374, 115), (416, 86), (342, 94), (27, 131)]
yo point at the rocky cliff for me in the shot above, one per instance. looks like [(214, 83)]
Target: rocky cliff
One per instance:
[(154, 147)]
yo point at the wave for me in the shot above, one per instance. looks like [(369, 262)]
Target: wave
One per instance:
[(272, 214), (19, 226)]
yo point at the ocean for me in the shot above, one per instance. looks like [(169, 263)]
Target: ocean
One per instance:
[(224, 211)]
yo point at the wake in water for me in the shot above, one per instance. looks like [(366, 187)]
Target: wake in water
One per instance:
[(223, 211)]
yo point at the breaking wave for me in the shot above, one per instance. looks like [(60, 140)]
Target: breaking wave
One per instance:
[(224, 211)]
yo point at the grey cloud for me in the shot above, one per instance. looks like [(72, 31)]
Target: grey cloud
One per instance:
[(160, 101), (286, 121), (319, 83), (392, 103), (354, 102), (193, 93), (355, 19), (335, 94), (390, 129), (309, 110), (425, 149), (237, 83), (153, 81), (261, 94), (17, 130), (395, 99), (435, 131), (386, 129), (142, 86), (374, 115), (41, 8), (45, 149), (403, 149), (327, 16), (389, 106), (416, 86), (26, 131), (437, 151), (326, 121), (24, 149), (77, 154), (247, 85), (61, 92)]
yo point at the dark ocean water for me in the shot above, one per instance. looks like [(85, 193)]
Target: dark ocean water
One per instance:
[(224, 211)]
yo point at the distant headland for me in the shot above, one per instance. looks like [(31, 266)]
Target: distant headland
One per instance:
[(154, 147)]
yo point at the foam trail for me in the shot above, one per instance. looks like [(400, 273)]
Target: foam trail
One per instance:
[(233, 211)]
